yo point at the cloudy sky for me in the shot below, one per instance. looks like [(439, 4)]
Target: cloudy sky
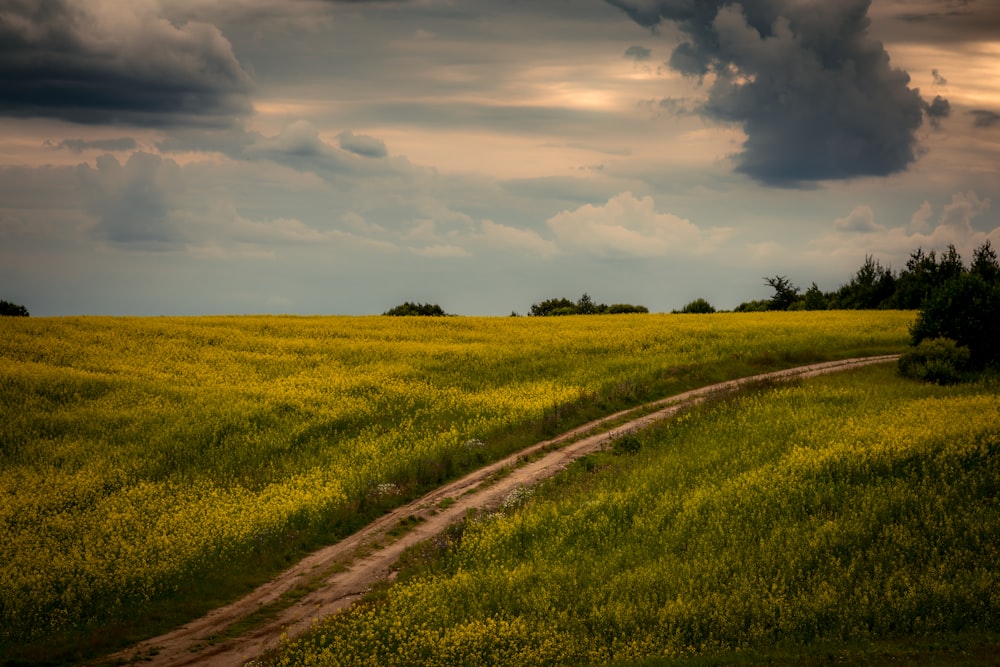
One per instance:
[(341, 157)]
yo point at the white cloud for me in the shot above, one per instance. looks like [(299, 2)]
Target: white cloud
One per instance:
[(861, 219), (921, 219), (894, 244), (962, 209), (629, 226), (512, 238), (441, 250)]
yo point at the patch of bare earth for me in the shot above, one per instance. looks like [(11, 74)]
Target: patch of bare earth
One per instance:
[(337, 575)]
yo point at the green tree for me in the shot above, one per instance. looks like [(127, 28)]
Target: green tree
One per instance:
[(410, 309), (12, 309), (785, 293), (873, 286), (814, 299), (586, 305), (699, 305), (985, 265), (551, 306), (916, 281), (950, 265), (965, 309)]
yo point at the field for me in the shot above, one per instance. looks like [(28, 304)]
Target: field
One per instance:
[(805, 523), (152, 467)]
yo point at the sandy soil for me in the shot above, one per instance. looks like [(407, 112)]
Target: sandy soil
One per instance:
[(350, 567)]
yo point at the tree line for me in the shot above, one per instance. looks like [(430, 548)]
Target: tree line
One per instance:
[(583, 306), (874, 286)]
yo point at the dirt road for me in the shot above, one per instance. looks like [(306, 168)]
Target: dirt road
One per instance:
[(347, 569)]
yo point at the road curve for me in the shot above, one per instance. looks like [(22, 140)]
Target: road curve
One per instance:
[(348, 568)]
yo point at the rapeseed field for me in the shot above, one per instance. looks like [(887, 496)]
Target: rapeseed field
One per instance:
[(857, 507), (143, 457)]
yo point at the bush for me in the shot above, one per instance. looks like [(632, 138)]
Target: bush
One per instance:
[(425, 309), (12, 309), (756, 306), (625, 308), (938, 360), (965, 309), (585, 306), (698, 306), (627, 443)]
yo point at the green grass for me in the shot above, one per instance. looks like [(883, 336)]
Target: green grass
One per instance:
[(153, 468), (849, 518)]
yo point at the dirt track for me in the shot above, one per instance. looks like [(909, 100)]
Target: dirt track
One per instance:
[(351, 566)]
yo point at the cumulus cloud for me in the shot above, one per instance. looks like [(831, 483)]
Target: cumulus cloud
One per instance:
[(513, 238), (362, 145), (100, 61), (135, 202), (963, 208), (858, 235), (861, 219), (629, 226), (920, 221), (814, 92)]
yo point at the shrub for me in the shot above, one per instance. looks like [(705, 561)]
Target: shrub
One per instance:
[(624, 308), (425, 309), (585, 306), (698, 306), (965, 309), (938, 360), (12, 309), (755, 306), (627, 443)]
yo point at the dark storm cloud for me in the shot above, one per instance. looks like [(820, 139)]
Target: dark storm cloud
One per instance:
[(637, 53), (962, 20), (362, 145), (101, 63), (937, 109), (938, 79), (815, 94), (985, 118), (81, 145)]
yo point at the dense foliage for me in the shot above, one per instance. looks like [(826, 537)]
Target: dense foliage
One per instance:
[(425, 309), (142, 459), (847, 508), (874, 286), (12, 309), (939, 360), (584, 306), (965, 309), (698, 306)]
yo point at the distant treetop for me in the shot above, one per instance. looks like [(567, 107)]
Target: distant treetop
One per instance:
[(585, 306), (425, 309), (12, 309), (876, 286)]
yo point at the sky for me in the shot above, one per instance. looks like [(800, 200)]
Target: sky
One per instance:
[(192, 157)]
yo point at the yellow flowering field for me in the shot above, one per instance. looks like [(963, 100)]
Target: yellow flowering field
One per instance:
[(140, 457), (848, 508)]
